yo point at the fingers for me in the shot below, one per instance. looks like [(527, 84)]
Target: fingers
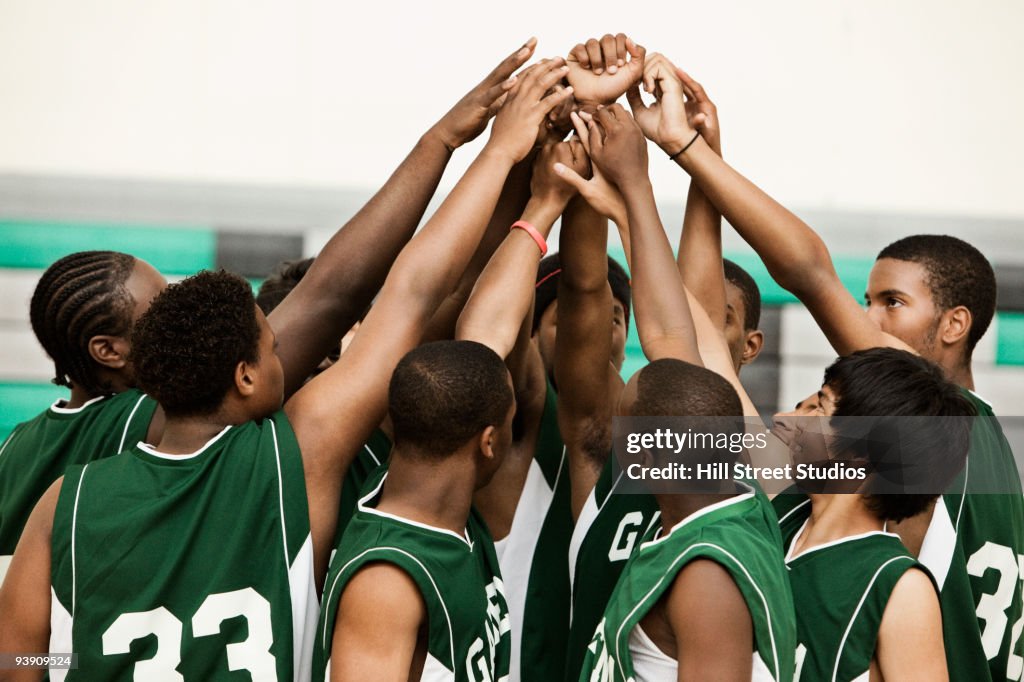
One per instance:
[(512, 62), (636, 102), (581, 129), (540, 79), (637, 55), (692, 86), (594, 54), (570, 176), (620, 49), (609, 53), (556, 97), (580, 55)]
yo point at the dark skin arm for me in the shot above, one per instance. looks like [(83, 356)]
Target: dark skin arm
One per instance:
[(663, 318), (588, 384), (25, 593), (352, 266), (335, 413), (379, 627)]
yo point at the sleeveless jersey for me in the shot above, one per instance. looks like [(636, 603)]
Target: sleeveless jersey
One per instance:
[(840, 590), (187, 568), (374, 453), (987, 531), (533, 561), (740, 534), (605, 535), (38, 451), (458, 578)]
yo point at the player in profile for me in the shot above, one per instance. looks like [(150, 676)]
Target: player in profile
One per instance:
[(935, 296), (705, 593), (233, 474), (886, 620)]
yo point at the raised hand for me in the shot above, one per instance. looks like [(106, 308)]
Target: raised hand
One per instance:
[(468, 118), (618, 147), (602, 195), (665, 121), (526, 107), (548, 182), (601, 71), (701, 112)]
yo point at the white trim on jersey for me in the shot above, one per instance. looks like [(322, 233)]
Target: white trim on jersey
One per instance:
[(128, 422), (150, 450), (704, 511), (74, 531), (280, 493), (74, 410), (361, 505), (963, 494), (579, 532), (856, 612), (793, 510), (305, 610), (437, 591), (792, 544), (939, 544), (10, 437), (671, 572), (376, 459), (61, 627)]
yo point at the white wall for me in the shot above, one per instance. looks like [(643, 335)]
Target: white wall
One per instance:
[(867, 105)]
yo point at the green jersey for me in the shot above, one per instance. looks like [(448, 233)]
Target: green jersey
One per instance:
[(38, 451), (605, 535), (187, 567), (457, 576), (373, 454), (840, 590), (988, 531), (741, 535), (533, 558)]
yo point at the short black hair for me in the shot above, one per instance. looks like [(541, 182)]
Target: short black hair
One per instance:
[(186, 347), (673, 388), (280, 282), (82, 295), (546, 293), (444, 393), (892, 384), (957, 274), (751, 294)]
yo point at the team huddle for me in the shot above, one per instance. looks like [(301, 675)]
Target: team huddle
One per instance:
[(396, 462)]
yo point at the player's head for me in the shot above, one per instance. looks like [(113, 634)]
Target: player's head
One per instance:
[(889, 385), (82, 312), (545, 310), (673, 388), (935, 293), (204, 348), (280, 283), (742, 315), (450, 397)]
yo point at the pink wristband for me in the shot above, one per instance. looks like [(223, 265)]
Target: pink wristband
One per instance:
[(534, 234)]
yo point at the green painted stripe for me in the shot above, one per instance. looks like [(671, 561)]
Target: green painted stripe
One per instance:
[(178, 250), (21, 401), (1010, 339)]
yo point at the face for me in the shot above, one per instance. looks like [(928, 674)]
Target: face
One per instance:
[(143, 285), (547, 329), (899, 301), (267, 374), (803, 434)]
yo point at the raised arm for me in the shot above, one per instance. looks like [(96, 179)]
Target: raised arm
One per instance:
[(351, 268), (909, 643), (663, 318), (335, 413), (793, 253)]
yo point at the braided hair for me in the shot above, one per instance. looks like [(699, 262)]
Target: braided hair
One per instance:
[(80, 296)]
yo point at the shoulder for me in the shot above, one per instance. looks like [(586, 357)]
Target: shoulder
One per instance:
[(382, 592)]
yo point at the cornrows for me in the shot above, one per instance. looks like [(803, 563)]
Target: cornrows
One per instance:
[(78, 297)]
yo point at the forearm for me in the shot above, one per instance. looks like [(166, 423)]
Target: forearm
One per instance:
[(504, 292), (794, 254), (663, 317), (700, 254), (352, 266)]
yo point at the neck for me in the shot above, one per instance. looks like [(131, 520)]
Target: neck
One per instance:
[(834, 517), (675, 508), (956, 365), (961, 376), (433, 492), (79, 397), (185, 435)]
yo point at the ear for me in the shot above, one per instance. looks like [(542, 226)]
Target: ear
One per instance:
[(956, 325), (752, 346), (487, 440), (245, 378), (109, 351)]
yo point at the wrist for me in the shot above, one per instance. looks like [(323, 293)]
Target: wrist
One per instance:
[(542, 212), (675, 144), (436, 135), (496, 152)]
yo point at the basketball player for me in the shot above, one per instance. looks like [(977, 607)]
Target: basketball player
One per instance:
[(225, 482)]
